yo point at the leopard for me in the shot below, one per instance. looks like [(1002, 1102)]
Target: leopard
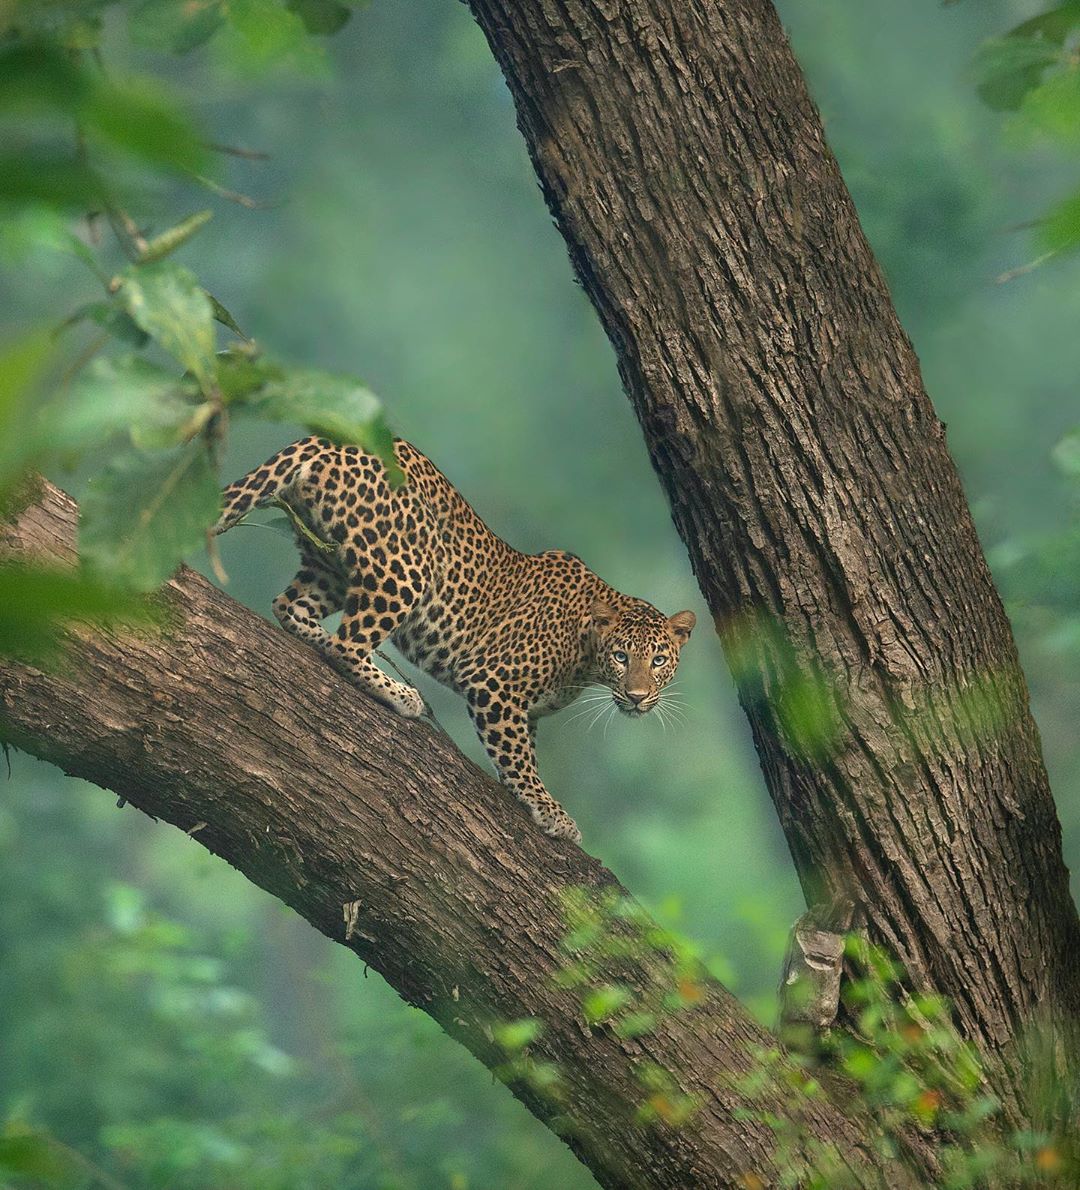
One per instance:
[(406, 559)]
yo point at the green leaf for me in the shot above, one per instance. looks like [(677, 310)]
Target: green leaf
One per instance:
[(134, 114), (83, 33), (635, 1024), (1060, 229), (168, 241), (110, 317), (166, 301), (120, 395), (379, 440), (337, 407), (600, 1003), (242, 373), (270, 32), (35, 226), (1066, 455), (1055, 24), (22, 364), (35, 605), (1052, 109), (514, 1036), (35, 176), (806, 713), (1007, 68), (30, 1154), (145, 512), (35, 75), (141, 119), (321, 17), (224, 317), (166, 24)]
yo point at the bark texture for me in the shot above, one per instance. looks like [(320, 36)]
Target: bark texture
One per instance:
[(387, 839), (809, 477)]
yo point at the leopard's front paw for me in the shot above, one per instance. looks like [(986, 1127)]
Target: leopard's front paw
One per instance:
[(562, 826)]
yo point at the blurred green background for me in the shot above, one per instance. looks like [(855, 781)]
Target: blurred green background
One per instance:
[(179, 1028)]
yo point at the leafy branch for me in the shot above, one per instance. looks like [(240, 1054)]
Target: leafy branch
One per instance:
[(150, 396)]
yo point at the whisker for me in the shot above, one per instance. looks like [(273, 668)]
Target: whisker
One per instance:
[(590, 704), (596, 719), (595, 713)]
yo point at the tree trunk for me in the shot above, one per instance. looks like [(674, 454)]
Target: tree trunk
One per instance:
[(808, 475), (387, 839)]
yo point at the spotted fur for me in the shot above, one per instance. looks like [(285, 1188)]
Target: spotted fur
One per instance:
[(518, 635)]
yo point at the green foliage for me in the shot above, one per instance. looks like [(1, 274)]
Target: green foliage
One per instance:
[(238, 1114), (664, 1102), (121, 397), (791, 690), (39, 603), (144, 511), (181, 28), (153, 502), (21, 366), (908, 1064), (165, 300), (44, 82), (1008, 68), (36, 1156), (631, 973), (514, 1036), (600, 1004), (1032, 71)]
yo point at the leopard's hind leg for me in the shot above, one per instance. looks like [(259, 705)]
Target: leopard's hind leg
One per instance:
[(316, 591), (369, 619)]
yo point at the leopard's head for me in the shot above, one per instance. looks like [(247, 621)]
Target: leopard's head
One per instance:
[(637, 651)]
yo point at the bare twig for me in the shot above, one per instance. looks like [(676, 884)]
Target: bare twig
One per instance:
[(237, 151)]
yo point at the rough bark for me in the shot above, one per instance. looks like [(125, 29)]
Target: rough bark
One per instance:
[(809, 477), (387, 839)]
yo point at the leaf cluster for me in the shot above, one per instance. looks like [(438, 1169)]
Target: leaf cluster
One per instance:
[(1032, 74), (234, 1126), (903, 1058), (133, 380)]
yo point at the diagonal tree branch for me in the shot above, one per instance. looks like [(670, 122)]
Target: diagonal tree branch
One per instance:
[(388, 840)]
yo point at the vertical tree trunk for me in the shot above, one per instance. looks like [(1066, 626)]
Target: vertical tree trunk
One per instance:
[(808, 475)]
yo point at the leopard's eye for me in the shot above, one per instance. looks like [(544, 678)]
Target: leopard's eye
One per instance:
[(659, 660), (619, 656)]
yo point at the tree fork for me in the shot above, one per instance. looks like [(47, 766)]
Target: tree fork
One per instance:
[(383, 836), (808, 475)]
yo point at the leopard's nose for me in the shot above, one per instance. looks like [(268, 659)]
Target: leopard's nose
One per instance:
[(637, 697)]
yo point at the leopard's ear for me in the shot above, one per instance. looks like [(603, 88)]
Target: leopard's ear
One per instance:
[(604, 615), (681, 625)]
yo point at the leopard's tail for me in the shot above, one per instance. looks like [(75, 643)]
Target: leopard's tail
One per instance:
[(263, 485)]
